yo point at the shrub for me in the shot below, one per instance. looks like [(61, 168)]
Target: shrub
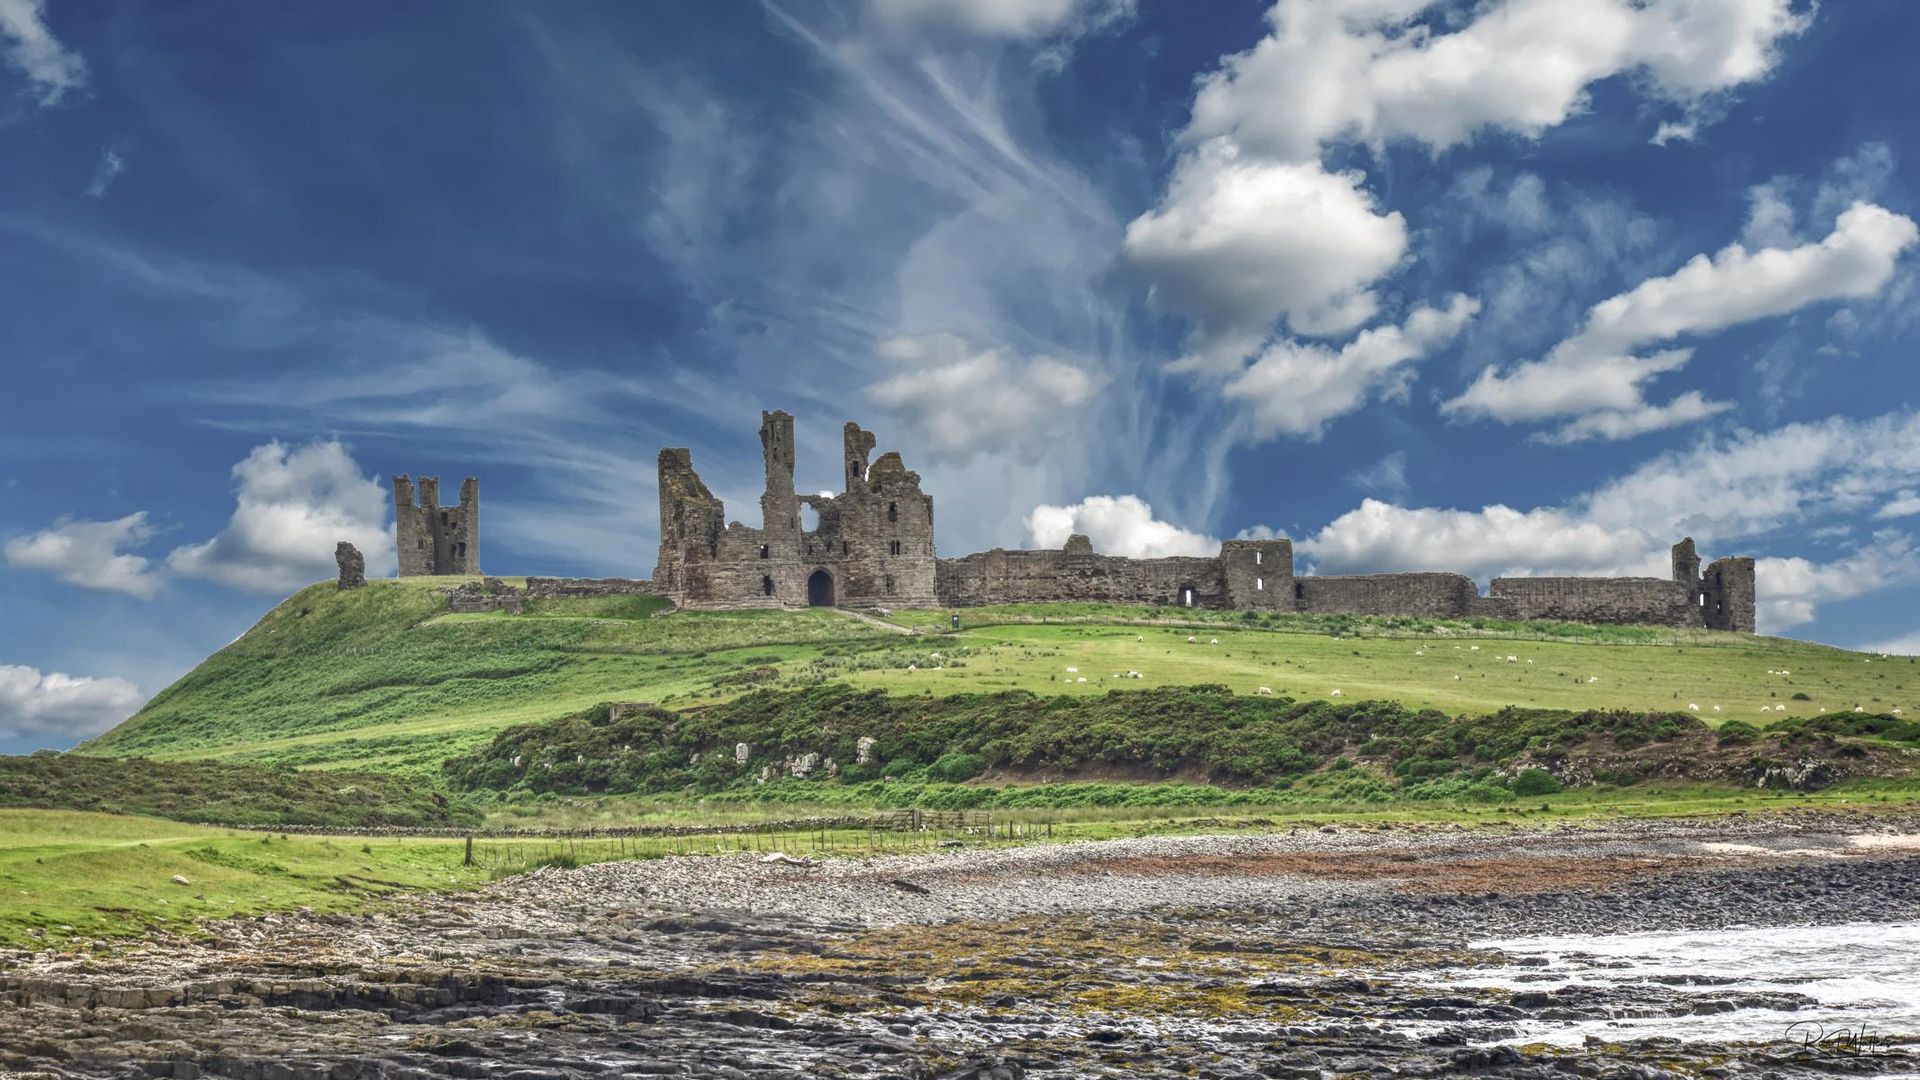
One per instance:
[(957, 767), (1531, 781)]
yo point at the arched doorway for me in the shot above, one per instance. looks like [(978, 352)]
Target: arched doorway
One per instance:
[(820, 589), (1186, 596)]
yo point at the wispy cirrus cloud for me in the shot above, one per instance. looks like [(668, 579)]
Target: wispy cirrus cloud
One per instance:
[(51, 69)]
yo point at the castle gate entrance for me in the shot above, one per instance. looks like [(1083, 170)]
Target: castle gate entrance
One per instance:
[(820, 589)]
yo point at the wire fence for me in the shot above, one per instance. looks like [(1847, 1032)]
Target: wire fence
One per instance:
[(890, 832)]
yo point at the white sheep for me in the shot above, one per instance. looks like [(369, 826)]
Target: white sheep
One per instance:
[(913, 667), (1475, 648), (1193, 641), (1857, 708), (1135, 675), (1896, 712), (1695, 708), (1593, 678), (1213, 641), (1782, 707), (1081, 679), (1335, 693), (1074, 670), (1716, 708), (1263, 690)]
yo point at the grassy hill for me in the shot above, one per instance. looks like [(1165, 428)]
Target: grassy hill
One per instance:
[(384, 679)]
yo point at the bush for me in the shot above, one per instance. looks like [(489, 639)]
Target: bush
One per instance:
[(957, 767), (1529, 782), (1736, 733)]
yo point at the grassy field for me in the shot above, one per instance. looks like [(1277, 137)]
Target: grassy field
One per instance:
[(1452, 667), (76, 875), (383, 678)]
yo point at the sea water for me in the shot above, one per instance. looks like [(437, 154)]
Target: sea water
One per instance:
[(1863, 977)]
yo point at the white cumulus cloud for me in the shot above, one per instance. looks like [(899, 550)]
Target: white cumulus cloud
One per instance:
[(31, 49), (33, 702), (1254, 228), (1365, 71), (1598, 376), (1239, 241), (1117, 525), (967, 396), (294, 505), (88, 554), (1294, 388)]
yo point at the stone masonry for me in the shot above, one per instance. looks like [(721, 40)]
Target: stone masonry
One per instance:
[(435, 539), (353, 566), (872, 546)]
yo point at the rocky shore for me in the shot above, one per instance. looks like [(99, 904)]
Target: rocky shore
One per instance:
[(1293, 953)]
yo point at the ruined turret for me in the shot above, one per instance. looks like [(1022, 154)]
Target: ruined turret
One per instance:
[(435, 539)]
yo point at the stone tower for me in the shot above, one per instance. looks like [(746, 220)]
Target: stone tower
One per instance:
[(435, 539), (1723, 594)]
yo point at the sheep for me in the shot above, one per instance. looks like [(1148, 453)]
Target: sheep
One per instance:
[(1263, 690), (1335, 693), (1073, 670), (1782, 707), (1081, 679), (1896, 712), (1695, 708), (1213, 641), (1857, 708), (1716, 708), (1475, 648), (1193, 641), (913, 667), (1593, 678)]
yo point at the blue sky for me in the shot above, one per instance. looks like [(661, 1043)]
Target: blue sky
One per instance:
[(1508, 286)]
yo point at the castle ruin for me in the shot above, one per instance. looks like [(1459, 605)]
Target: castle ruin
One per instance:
[(872, 546), (435, 539)]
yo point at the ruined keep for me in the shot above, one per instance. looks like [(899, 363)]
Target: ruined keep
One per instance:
[(435, 539), (872, 546)]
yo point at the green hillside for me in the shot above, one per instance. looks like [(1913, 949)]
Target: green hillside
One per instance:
[(383, 678)]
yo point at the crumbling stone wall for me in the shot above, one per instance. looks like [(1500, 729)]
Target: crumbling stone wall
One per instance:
[(487, 594), (1642, 601), (1425, 594), (435, 539), (542, 588), (1075, 573)]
